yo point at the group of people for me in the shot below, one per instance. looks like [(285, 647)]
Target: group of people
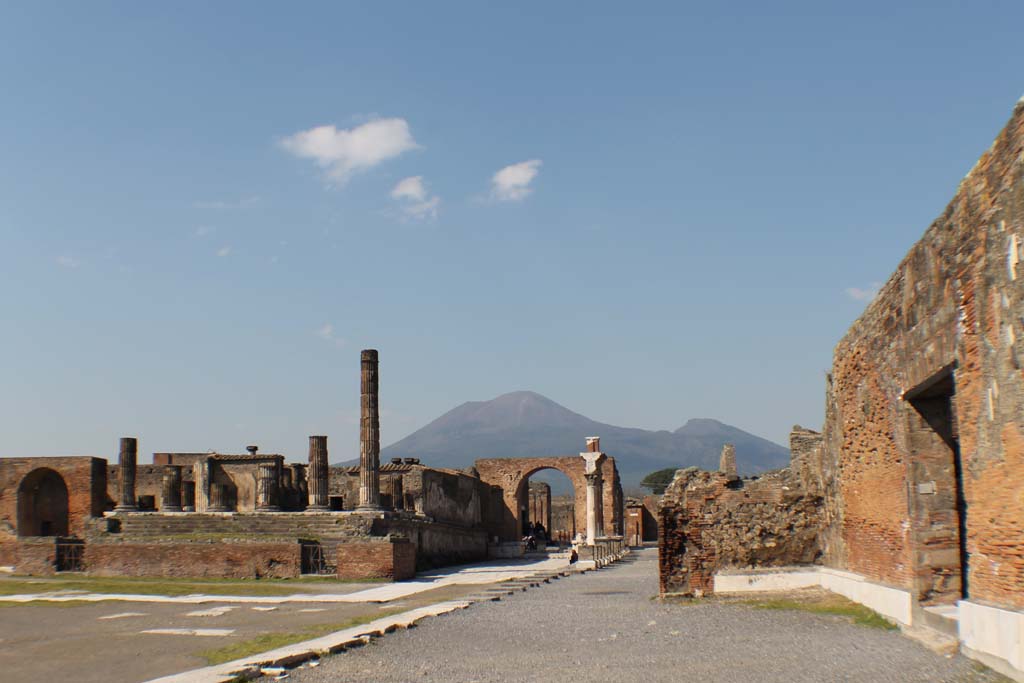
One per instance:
[(534, 533)]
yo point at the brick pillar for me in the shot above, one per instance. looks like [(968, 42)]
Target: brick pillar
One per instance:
[(266, 487), (170, 498), (318, 473), (369, 434), (126, 473), (218, 498), (188, 496)]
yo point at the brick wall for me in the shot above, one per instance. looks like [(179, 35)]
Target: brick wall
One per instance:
[(386, 558), (709, 521), (213, 559), (955, 303), (85, 478)]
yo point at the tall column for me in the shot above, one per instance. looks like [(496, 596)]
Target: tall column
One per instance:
[(369, 434), (266, 487), (593, 496), (318, 473), (126, 473), (170, 498), (592, 459)]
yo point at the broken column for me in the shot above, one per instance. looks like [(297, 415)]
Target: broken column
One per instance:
[(592, 472), (170, 494), (318, 473), (301, 489), (727, 462), (266, 487), (126, 473), (369, 434)]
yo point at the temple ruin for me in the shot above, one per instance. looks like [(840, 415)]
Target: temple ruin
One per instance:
[(254, 514), (910, 498)]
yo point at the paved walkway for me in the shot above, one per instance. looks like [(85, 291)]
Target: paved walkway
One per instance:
[(102, 638), (604, 626)]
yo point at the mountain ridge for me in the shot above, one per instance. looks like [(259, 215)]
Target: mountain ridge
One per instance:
[(528, 424)]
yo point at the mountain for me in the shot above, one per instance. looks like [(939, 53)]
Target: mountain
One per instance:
[(525, 424)]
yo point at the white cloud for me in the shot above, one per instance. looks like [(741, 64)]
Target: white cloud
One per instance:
[(204, 230), (410, 188), (416, 200), (243, 203), (867, 294), (224, 251), (344, 152), (512, 183), (65, 261), (327, 334)]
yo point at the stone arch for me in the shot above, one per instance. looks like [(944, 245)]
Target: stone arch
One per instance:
[(511, 475), (43, 504)]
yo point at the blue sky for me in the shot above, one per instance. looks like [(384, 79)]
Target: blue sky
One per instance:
[(647, 212)]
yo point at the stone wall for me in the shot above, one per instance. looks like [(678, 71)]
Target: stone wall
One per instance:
[(714, 521), (927, 388)]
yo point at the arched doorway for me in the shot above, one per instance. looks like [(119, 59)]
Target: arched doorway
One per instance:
[(43, 504), (510, 475), (547, 496)]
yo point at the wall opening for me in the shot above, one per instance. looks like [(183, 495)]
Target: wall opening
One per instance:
[(43, 504), (937, 503), (547, 497)]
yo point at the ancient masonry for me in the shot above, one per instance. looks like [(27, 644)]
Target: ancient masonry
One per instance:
[(255, 515), (910, 500)]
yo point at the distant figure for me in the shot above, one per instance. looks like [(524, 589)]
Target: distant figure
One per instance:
[(573, 556), (530, 541), (540, 532)]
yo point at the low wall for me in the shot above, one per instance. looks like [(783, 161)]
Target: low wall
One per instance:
[(218, 559), (385, 558), (439, 545)]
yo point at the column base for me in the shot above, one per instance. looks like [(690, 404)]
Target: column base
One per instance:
[(317, 508), (369, 508), (171, 508)]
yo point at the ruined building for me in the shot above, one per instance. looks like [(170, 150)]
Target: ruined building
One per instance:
[(255, 515), (911, 499)]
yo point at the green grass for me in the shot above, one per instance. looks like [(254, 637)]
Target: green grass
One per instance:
[(166, 586), (827, 603), (270, 641)]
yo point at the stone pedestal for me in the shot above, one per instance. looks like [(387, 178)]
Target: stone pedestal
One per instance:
[(369, 433), (170, 498), (318, 474), (266, 488), (126, 474)]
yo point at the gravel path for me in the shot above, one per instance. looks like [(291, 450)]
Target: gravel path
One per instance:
[(605, 626)]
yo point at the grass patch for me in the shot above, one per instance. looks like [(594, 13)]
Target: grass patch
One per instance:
[(827, 603), (45, 603), (166, 586), (270, 641)]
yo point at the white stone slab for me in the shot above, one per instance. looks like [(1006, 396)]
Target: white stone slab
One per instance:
[(220, 632), (995, 632)]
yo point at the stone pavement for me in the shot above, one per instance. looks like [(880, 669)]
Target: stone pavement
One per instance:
[(126, 639), (605, 626)]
